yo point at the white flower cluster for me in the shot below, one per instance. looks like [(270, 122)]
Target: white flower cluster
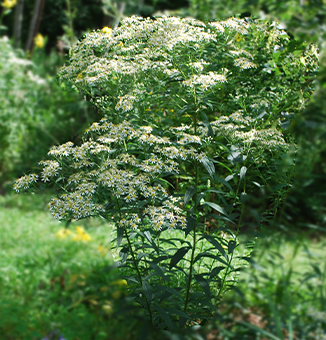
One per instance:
[(169, 214), (51, 169), (244, 63), (143, 51), (241, 128), (125, 103), (205, 81), (239, 25), (25, 182), (105, 166)]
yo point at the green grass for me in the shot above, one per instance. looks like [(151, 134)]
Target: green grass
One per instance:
[(49, 284), (40, 275)]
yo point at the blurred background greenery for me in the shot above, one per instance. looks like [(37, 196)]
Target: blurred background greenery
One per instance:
[(36, 113)]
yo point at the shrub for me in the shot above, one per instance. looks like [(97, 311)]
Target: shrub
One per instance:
[(194, 123)]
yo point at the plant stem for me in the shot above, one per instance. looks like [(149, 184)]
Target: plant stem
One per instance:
[(190, 269), (194, 231), (139, 276)]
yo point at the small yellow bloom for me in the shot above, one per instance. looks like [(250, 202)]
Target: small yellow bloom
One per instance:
[(81, 235), (108, 309), (63, 233), (102, 250), (120, 282), (107, 30), (39, 40), (9, 3), (238, 37), (151, 93), (120, 44)]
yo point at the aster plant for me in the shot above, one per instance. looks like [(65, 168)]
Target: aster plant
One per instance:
[(194, 122)]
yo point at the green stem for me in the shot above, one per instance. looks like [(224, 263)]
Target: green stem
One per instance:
[(139, 276), (194, 231), (190, 270), (222, 289)]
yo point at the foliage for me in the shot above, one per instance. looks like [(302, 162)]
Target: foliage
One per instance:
[(286, 282), (194, 122), (35, 112), (61, 286), (304, 21)]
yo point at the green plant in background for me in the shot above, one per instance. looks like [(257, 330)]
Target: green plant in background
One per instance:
[(35, 113), (287, 289), (194, 116)]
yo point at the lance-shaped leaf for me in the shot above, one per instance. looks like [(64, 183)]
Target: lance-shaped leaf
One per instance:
[(148, 291), (191, 221), (243, 171), (216, 244), (189, 194), (165, 316), (223, 181), (204, 285), (217, 208), (178, 256), (119, 236), (209, 166)]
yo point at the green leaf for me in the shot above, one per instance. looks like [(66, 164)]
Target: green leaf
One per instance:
[(225, 166), (148, 236), (178, 256), (207, 124), (204, 285), (148, 291), (175, 311), (216, 207), (216, 244), (191, 221), (189, 194), (165, 316), (119, 236), (209, 166), (223, 181), (215, 271), (207, 255), (158, 270), (243, 171), (231, 246)]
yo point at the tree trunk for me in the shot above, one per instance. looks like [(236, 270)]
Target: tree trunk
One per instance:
[(18, 22), (35, 23)]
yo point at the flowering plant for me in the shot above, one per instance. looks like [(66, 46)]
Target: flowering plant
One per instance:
[(194, 121)]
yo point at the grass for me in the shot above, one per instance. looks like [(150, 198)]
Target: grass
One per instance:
[(53, 285)]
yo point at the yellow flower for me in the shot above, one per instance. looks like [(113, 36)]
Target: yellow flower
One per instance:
[(81, 235), (238, 37), (102, 250), (120, 282), (107, 30), (63, 233), (39, 40), (107, 307), (9, 3), (120, 44)]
